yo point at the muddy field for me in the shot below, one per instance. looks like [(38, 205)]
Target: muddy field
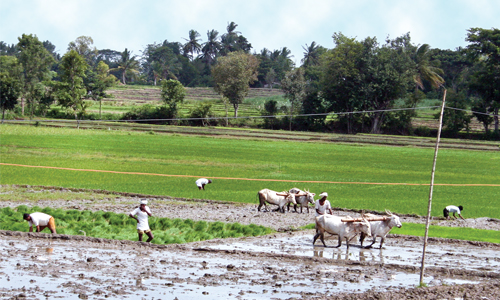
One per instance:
[(284, 265)]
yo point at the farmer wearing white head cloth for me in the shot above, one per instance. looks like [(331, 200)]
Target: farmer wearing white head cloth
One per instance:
[(140, 214), (200, 183), (322, 205)]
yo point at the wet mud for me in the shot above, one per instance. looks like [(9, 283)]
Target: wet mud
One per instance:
[(284, 265)]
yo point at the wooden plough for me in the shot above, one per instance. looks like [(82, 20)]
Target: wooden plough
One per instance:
[(370, 219)]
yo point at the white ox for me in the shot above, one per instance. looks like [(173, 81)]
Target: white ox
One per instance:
[(276, 198), (380, 228), (334, 225), (303, 198)]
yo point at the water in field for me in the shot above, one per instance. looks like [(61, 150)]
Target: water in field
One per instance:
[(42, 269)]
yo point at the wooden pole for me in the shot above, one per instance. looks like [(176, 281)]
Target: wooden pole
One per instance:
[(431, 190)]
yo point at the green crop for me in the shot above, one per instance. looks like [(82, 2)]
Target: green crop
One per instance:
[(355, 176), (110, 225)]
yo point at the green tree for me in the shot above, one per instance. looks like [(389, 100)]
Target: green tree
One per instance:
[(210, 49), (127, 66), (10, 83), (192, 46), (71, 90), (36, 62), (294, 87), (386, 79), (341, 79), (172, 93), (83, 46), (161, 61), (232, 76), (484, 48), (97, 81), (425, 70), (311, 54)]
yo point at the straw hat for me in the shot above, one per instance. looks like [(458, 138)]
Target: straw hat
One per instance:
[(324, 194), (144, 201)]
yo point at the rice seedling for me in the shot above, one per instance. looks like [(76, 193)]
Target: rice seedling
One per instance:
[(120, 226)]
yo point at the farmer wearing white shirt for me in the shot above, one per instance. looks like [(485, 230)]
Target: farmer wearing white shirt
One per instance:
[(202, 182), (454, 210), (140, 214), (322, 205), (40, 221)]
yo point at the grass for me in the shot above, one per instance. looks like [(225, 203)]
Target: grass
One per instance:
[(459, 233), (110, 225), (255, 159)]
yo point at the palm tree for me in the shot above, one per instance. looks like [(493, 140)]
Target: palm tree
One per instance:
[(192, 46), (231, 29), (424, 70), (311, 55), (211, 47), (127, 64)]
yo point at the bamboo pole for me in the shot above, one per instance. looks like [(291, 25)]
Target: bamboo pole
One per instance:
[(422, 268)]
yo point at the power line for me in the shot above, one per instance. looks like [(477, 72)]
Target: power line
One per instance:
[(272, 116)]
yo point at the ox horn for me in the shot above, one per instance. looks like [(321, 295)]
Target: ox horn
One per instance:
[(388, 212)]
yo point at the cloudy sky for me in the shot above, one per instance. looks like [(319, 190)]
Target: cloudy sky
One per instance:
[(272, 24)]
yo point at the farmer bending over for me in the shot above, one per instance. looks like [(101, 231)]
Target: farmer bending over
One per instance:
[(202, 182), (40, 221), (453, 209)]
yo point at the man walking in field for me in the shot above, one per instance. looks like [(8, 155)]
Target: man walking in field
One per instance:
[(453, 209), (141, 214), (40, 221), (202, 182)]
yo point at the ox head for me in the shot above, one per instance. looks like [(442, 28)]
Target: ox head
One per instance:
[(365, 227), (394, 220), (289, 197), (310, 197)]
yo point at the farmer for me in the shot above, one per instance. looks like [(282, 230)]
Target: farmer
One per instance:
[(202, 182), (140, 214), (40, 221), (322, 205), (453, 209)]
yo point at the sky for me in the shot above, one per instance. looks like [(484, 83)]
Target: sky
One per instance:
[(271, 24)]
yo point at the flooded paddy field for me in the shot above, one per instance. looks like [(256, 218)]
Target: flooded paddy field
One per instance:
[(277, 266), (284, 265)]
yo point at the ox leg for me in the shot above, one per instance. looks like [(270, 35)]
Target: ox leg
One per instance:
[(361, 238), (381, 242), (340, 242), (373, 242)]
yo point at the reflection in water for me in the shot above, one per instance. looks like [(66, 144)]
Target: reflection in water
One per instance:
[(362, 255), (318, 253)]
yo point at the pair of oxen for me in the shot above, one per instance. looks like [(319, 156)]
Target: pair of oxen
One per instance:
[(344, 227)]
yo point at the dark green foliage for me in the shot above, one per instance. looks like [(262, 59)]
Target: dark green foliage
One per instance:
[(120, 226), (149, 112)]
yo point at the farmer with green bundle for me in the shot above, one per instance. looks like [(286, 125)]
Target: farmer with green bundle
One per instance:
[(141, 214)]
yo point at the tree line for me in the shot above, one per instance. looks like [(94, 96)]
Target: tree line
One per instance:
[(369, 77)]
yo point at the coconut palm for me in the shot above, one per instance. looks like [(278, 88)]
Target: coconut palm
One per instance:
[(424, 70), (211, 47), (192, 46), (127, 64), (311, 54)]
